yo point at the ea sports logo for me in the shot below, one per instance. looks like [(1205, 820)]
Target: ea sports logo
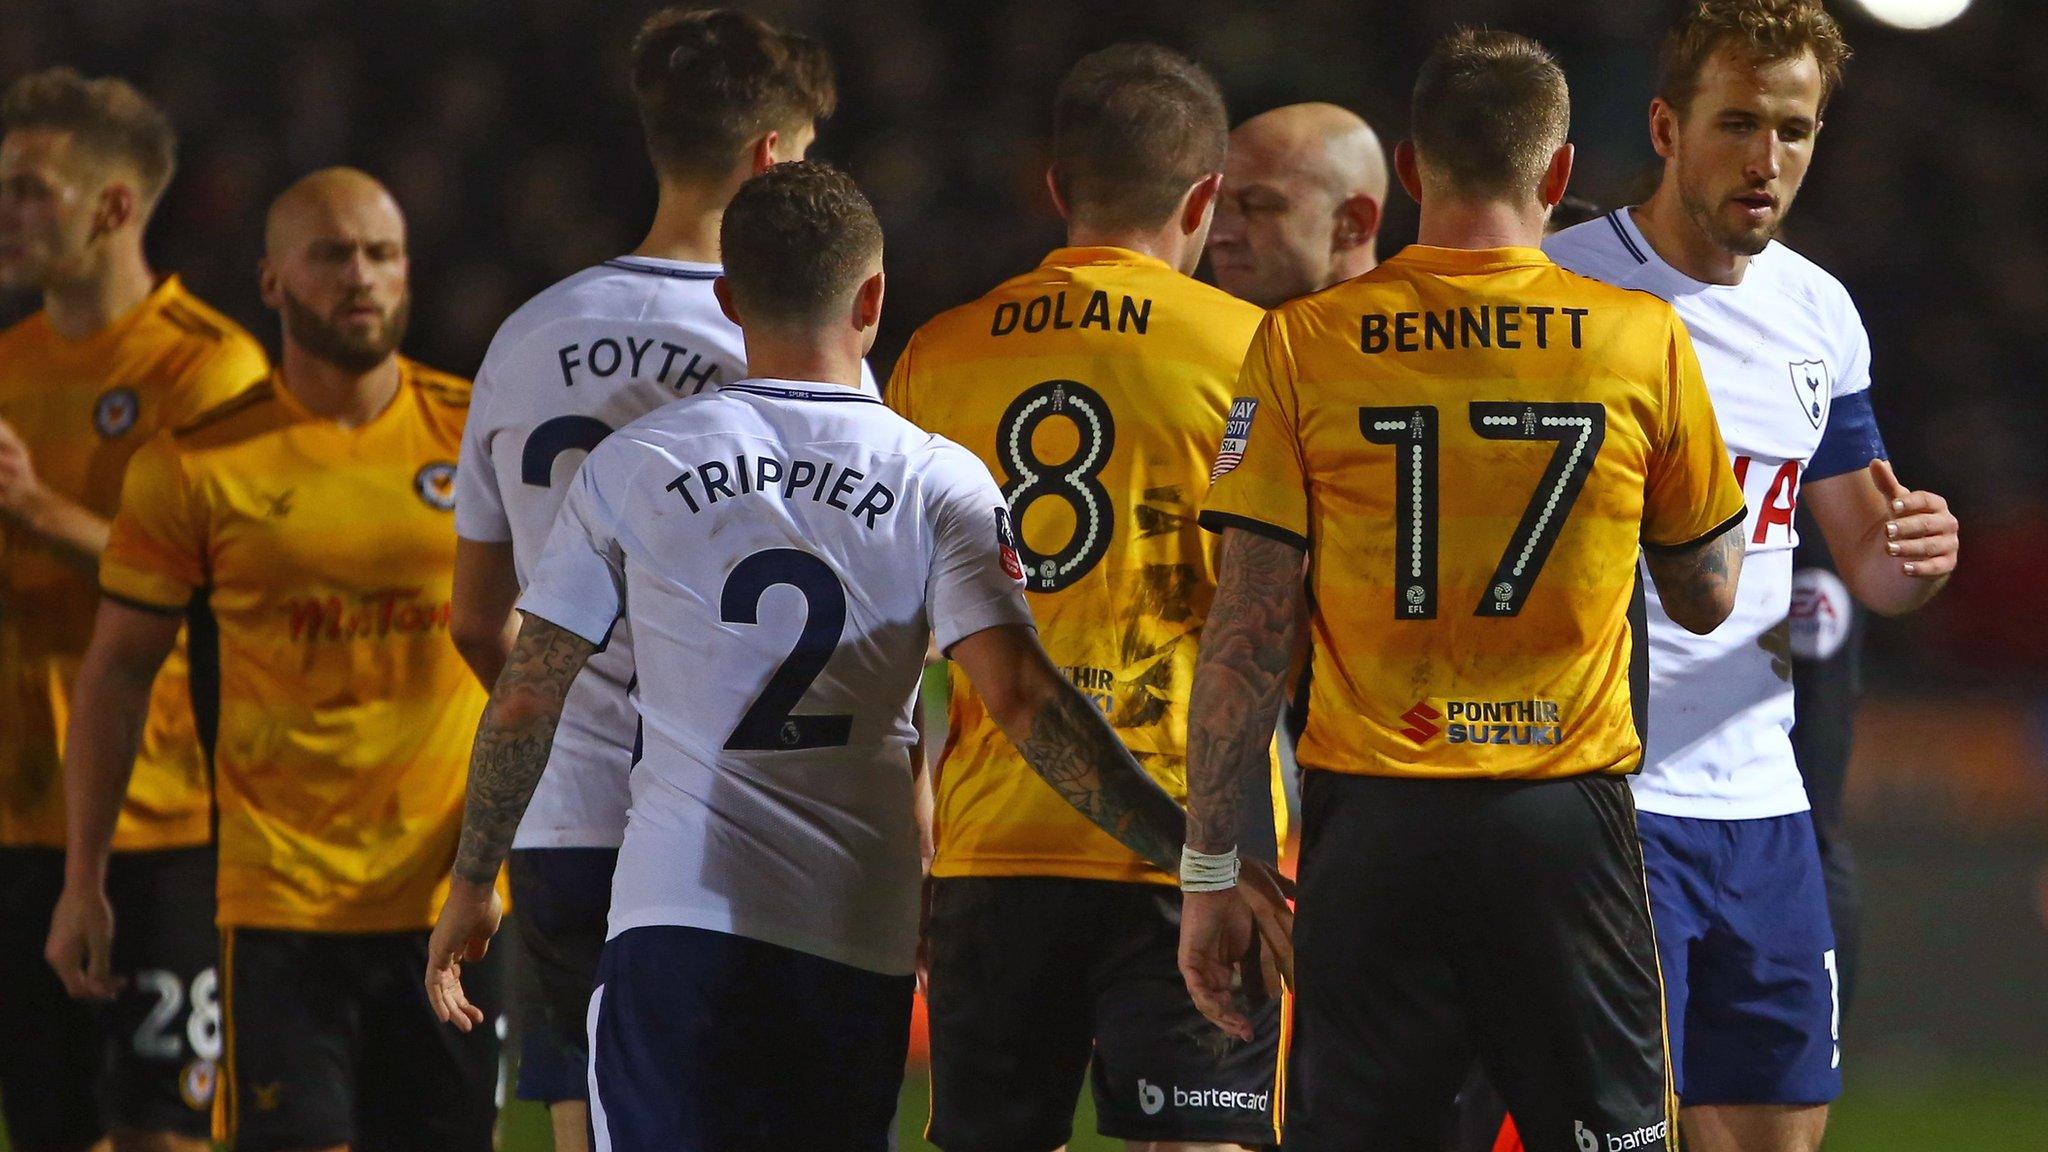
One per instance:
[(1151, 1098)]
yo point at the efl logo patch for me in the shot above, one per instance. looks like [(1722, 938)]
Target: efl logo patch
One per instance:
[(115, 411), (1236, 430), (1006, 545), (1811, 386), (436, 485)]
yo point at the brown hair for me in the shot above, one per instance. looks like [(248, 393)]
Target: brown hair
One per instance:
[(1133, 126), (1489, 110), (796, 240), (710, 81), (106, 116), (1764, 31)]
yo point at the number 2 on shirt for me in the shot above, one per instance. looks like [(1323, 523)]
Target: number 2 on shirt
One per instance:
[(770, 724), (1576, 430)]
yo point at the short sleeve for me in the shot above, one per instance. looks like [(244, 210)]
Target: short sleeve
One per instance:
[(977, 578), (579, 583), (234, 367), (1690, 494), (479, 506), (1258, 481), (157, 548), (1855, 374)]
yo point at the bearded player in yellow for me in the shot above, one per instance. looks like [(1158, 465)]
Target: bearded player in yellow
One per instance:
[(1094, 387), (114, 355), (1470, 446), (314, 514)]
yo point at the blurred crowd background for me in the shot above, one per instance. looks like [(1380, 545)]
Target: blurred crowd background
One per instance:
[(505, 129)]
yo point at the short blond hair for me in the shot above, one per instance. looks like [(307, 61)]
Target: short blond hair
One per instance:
[(105, 115), (1489, 111)]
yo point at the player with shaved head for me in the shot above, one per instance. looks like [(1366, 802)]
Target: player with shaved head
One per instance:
[(1303, 187), (114, 354), (313, 516)]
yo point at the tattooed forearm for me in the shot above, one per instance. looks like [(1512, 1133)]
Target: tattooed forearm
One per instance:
[(513, 741), (1068, 742), (1697, 584), (1247, 645)]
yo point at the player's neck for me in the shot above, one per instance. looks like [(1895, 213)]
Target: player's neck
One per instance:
[(686, 221), (77, 308), (1167, 244), (328, 390), (1679, 242), (801, 357), (1478, 224)]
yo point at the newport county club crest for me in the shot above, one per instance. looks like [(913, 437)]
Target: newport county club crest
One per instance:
[(115, 411), (436, 485), (1812, 384)]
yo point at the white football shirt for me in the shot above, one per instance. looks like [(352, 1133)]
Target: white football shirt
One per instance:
[(589, 354), (782, 552), (1787, 362)]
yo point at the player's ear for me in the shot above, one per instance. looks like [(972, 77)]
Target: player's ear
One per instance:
[(118, 205), (266, 283), (1200, 201), (1558, 176), (1358, 221), (1663, 128), (763, 157), (1052, 187), (867, 302), (1406, 168), (723, 291)]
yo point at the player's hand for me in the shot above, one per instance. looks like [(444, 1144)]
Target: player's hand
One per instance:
[(20, 488), (462, 932), (81, 944), (1269, 894), (1921, 531), (1215, 934)]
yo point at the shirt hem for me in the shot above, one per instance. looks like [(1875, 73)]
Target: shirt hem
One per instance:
[(573, 838), (957, 869), (1712, 808), (684, 916)]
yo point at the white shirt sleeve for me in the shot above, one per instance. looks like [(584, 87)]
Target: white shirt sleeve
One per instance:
[(579, 582), (1855, 375), (479, 508), (976, 579)]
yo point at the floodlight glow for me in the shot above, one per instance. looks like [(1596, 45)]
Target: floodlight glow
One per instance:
[(1914, 15)]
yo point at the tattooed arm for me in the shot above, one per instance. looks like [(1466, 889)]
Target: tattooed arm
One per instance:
[(513, 741), (1696, 582), (1248, 647), (512, 744), (1069, 743), (1241, 679)]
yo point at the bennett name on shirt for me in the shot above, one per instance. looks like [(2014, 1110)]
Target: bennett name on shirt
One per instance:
[(1480, 326), (760, 475)]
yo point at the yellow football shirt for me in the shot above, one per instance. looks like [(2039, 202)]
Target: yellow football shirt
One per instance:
[(83, 407), (1473, 446), (1094, 387), (346, 716)]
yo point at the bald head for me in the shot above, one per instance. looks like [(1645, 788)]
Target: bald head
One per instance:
[(1300, 209), (335, 267), (319, 200)]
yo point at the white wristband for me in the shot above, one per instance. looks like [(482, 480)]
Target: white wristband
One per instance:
[(1203, 872)]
